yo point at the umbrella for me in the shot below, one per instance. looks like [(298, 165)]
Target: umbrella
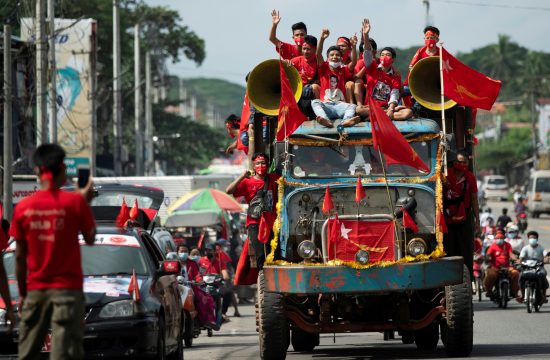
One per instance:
[(205, 199), (194, 218)]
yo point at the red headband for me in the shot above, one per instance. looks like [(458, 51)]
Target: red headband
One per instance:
[(260, 157), (431, 33), (344, 40)]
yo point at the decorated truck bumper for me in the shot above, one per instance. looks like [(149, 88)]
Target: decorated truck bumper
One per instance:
[(342, 279)]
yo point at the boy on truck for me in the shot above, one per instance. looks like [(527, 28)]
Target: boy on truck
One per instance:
[(286, 50)]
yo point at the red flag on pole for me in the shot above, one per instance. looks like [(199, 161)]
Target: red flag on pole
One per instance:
[(133, 287), (327, 202), (334, 231), (123, 215), (467, 86), (290, 116), (245, 116), (408, 222), (359, 191), (440, 221), (390, 141), (264, 230), (134, 210)]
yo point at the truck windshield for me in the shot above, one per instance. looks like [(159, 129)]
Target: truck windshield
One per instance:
[(350, 161), (542, 185)]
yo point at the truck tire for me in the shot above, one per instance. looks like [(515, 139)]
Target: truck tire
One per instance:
[(303, 341), (426, 339), (458, 328), (273, 325)]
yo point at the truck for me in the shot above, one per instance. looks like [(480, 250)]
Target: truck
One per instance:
[(378, 275)]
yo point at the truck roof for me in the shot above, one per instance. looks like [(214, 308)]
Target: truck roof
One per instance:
[(420, 125)]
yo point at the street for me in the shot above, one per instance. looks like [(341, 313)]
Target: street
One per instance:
[(501, 334)]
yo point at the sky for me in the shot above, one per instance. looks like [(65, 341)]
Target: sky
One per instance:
[(236, 32)]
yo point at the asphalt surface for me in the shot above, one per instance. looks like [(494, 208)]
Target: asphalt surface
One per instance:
[(498, 333)]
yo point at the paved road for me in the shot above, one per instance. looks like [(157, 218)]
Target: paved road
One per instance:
[(498, 333)]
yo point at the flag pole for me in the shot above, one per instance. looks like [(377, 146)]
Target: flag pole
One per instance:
[(390, 202), (443, 121)]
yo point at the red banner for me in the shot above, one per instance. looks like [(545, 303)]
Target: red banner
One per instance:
[(245, 115), (375, 237), (290, 116)]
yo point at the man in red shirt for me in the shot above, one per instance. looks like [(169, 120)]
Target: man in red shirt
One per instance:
[(48, 266), (333, 75), (232, 125), (211, 264), (286, 50), (306, 64), (249, 186), (499, 255), (431, 38)]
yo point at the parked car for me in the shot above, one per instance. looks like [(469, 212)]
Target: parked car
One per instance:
[(495, 186)]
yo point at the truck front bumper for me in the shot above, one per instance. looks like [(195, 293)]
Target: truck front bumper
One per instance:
[(341, 279)]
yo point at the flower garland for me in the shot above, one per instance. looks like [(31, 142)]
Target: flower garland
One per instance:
[(312, 142), (437, 253)]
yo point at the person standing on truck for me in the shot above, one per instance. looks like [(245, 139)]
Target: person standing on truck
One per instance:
[(232, 125), (431, 38), (286, 50), (333, 75), (48, 265), (461, 210), (249, 187)]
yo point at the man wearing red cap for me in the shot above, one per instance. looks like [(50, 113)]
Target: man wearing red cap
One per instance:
[(499, 255)]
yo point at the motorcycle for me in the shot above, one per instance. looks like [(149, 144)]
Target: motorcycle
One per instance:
[(530, 270), (192, 325), (521, 220), (479, 275), (212, 286), (502, 293)]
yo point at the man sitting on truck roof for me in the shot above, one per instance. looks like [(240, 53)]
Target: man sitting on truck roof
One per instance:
[(333, 76), (286, 50), (383, 83)]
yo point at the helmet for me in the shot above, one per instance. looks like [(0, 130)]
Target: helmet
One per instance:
[(172, 256), (513, 228)]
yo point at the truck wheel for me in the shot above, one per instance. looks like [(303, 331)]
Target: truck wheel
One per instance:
[(407, 337), (273, 325), (457, 330), (426, 339), (303, 341)]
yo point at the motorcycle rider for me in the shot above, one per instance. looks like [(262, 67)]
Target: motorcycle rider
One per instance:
[(498, 256), (536, 252), (513, 237), (503, 219), (484, 216)]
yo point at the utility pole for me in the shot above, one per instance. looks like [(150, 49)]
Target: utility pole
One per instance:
[(428, 19), (53, 73), (93, 103), (117, 99), (149, 161), (137, 104), (41, 112), (8, 200)]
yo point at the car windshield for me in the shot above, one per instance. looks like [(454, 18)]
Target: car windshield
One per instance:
[(350, 161), (112, 260), (542, 185), (496, 181), (115, 199)]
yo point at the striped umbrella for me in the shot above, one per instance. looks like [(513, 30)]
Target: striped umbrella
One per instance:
[(205, 199)]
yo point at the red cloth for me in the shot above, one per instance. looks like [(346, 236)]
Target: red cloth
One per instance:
[(288, 51), (334, 230), (327, 202), (457, 186), (134, 210), (467, 86), (500, 256), (193, 272), (375, 237), (290, 116), (306, 67), (123, 215), (49, 222), (380, 84), (245, 115), (245, 275), (391, 142), (266, 224), (248, 188), (408, 222), (325, 71), (359, 191), (214, 266)]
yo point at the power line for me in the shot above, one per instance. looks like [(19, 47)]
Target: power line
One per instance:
[(536, 8)]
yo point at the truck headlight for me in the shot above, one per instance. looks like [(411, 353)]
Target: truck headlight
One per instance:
[(416, 246), (362, 257), (306, 249), (123, 308)]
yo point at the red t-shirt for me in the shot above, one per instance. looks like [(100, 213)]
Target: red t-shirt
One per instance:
[(306, 68), (500, 256), (342, 75), (248, 188), (49, 222), (214, 266), (457, 186), (288, 51), (193, 273), (380, 84), (422, 54)]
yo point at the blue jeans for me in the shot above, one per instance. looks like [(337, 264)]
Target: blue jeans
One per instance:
[(333, 111)]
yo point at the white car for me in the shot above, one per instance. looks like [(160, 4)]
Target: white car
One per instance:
[(495, 186)]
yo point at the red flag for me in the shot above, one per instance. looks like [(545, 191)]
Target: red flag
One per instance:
[(327, 202), (359, 191), (244, 274), (134, 210), (123, 215), (440, 220), (408, 222), (133, 287), (264, 230), (334, 232), (289, 113), (390, 141), (467, 86), (245, 116)]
